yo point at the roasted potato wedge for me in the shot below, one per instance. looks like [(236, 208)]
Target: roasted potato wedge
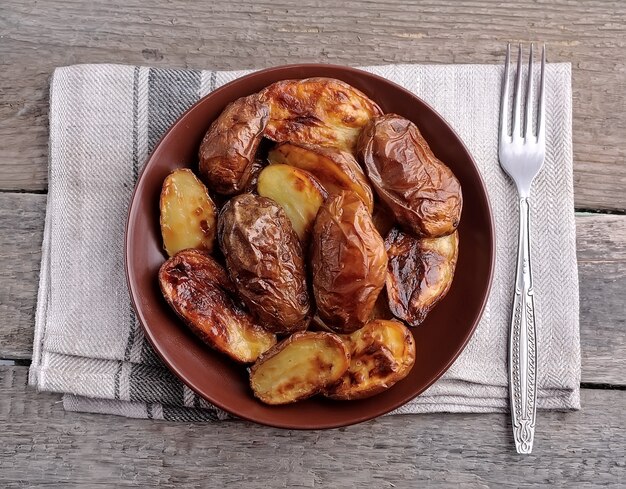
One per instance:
[(188, 215), (319, 111), (228, 150), (419, 273), (299, 367), (422, 193), (336, 170), (199, 291), (297, 191), (265, 261), (348, 262), (381, 354)]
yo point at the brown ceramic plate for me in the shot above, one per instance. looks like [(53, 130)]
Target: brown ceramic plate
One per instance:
[(439, 339)]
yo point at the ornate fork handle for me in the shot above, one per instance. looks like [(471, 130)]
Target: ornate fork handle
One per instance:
[(522, 341)]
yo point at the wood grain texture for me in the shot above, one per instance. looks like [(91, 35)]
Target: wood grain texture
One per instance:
[(36, 37), (21, 231), (42, 444), (601, 259), (601, 244)]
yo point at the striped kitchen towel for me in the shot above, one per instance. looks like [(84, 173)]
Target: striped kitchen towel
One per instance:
[(104, 122)]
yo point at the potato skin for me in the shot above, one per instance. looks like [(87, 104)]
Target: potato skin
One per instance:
[(419, 273), (348, 261), (318, 111), (265, 261), (188, 216), (423, 193), (336, 170), (228, 150), (199, 291), (258, 165), (381, 354), (304, 364)]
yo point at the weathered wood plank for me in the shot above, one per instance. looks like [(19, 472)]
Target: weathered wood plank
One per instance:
[(255, 34), (601, 259), (41, 444), (601, 242), (21, 231)]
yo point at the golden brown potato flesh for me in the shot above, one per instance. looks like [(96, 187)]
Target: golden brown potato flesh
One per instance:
[(265, 261), (348, 262), (297, 191), (228, 149), (420, 273), (336, 170), (319, 111), (199, 291), (381, 354), (299, 367), (188, 215), (422, 193)]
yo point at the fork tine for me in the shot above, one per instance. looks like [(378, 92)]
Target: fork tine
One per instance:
[(504, 100), (541, 118), (528, 117), (515, 129)]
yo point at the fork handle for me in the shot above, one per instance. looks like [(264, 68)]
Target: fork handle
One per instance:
[(522, 341)]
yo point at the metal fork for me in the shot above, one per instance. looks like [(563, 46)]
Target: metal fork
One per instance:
[(521, 154)]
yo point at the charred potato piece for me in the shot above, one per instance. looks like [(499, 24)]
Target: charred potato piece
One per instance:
[(198, 290), (188, 215), (299, 367), (265, 261), (348, 261), (228, 149), (423, 193), (297, 191), (419, 273), (319, 111), (381, 354), (336, 170)]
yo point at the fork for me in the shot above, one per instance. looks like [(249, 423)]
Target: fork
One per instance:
[(521, 153)]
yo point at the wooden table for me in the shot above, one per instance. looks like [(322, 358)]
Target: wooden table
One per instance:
[(41, 444)]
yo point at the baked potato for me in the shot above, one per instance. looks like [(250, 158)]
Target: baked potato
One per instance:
[(318, 111), (336, 170), (348, 262), (381, 354), (228, 150), (199, 291), (422, 193), (299, 367), (188, 215), (285, 174), (297, 191), (265, 261), (419, 273)]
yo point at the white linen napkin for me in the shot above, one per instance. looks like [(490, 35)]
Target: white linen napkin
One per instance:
[(104, 122)]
